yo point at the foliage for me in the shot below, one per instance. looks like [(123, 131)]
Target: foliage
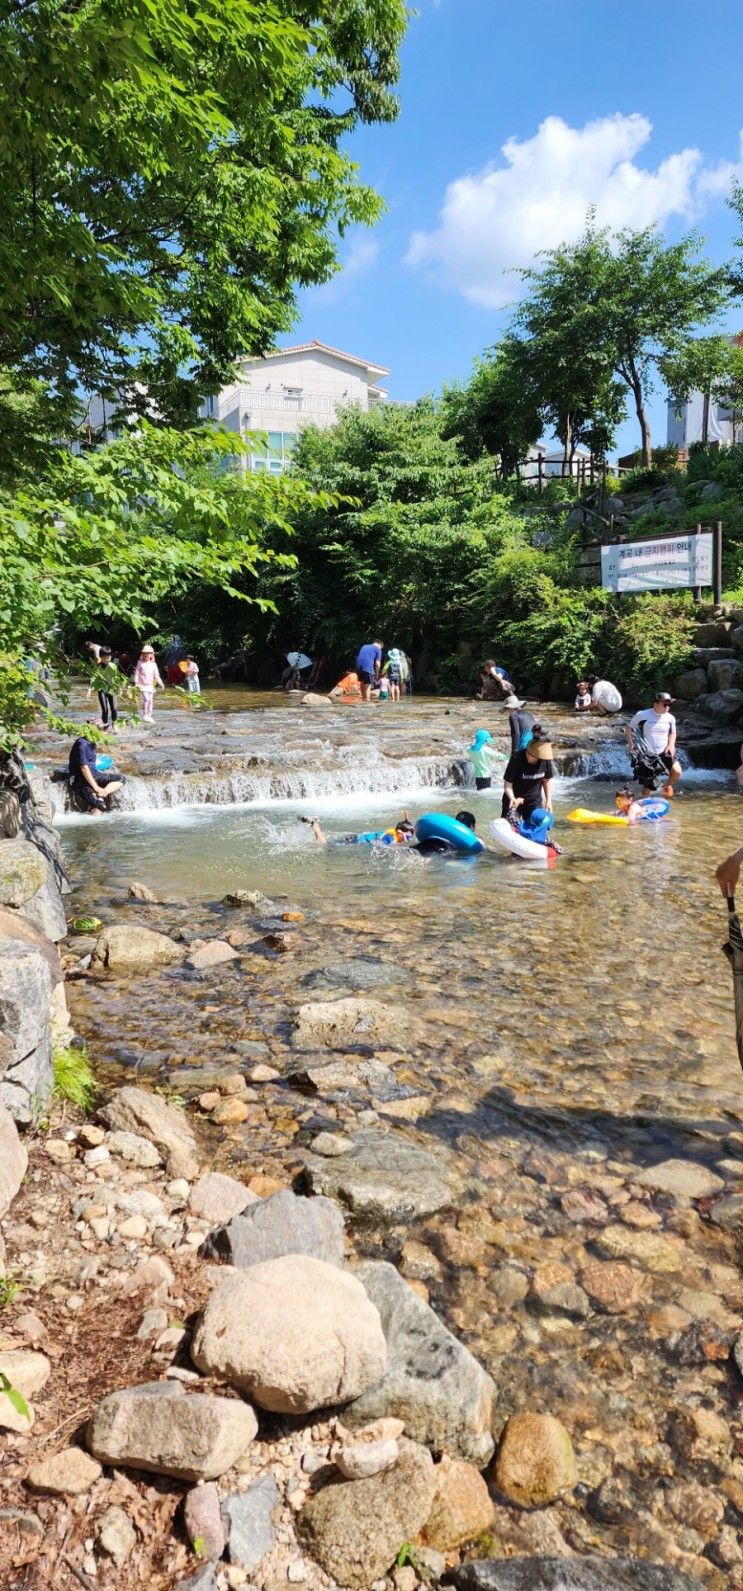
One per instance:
[(10, 1286), (497, 411), (651, 641), (171, 172), (706, 364), (74, 1081), (14, 1397)]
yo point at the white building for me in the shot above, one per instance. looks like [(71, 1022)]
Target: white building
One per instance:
[(700, 418), (277, 396)]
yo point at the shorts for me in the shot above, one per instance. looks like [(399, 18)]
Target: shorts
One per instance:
[(84, 796), (483, 784), (651, 777), (393, 674), (365, 677)]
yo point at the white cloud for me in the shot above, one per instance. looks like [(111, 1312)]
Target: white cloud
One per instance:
[(719, 179), (362, 254), (537, 197)]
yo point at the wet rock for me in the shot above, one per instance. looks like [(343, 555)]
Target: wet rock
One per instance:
[(612, 1502), (724, 706), (583, 1205), (615, 1288), (535, 1462), (462, 1506), (116, 1535), (341, 1024), (355, 1529), (128, 947), (701, 1434), (281, 1224), (553, 1291), (23, 871), (685, 1179), (159, 1427), (68, 1472), (385, 1178), (13, 1160), (361, 973), (247, 897), (651, 1253), (202, 1520), (738, 1353), (574, 1574), (510, 1285), (216, 1198), (432, 1382), (135, 1110), (250, 1522), (230, 1112), (728, 1213), (131, 1146), (143, 893), (294, 1333), (697, 1506), (212, 954)]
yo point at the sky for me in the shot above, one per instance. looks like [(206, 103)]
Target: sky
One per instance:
[(515, 119)]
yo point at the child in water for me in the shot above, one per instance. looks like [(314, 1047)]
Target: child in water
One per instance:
[(537, 826), (629, 807), (483, 755)]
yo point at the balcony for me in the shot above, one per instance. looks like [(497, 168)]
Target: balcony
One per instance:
[(284, 402)]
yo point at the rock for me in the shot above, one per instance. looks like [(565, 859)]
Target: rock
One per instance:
[(725, 673), (134, 1226), (230, 1112), (712, 492), (358, 1460), (250, 1522), (23, 871), (28, 1373), (432, 1382), (697, 1506), (736, 637), (204, 1579), (343, 1024), (700, 1434), (462, 1506), (135, 1110), (614, 1288), (355, 1529), (136, 1150), (281, 1224), (360, 973), (724, 706), (128, 947), (535, 1462), (30, 971), (553, 1292), (143, 893), (216, 1198), (202, 1520), (61, 1152), (233, 1085), (385, 1177), (311, 700), (152, 1323), (116, 1535), (651, 1253), (90, 1136), (331, 1144), (691, 684), (65, 1473), (159, 1427), (13, 1160), (295, 1333), (738, 1353), (685, 1179), (728, 1213), (712, 635), (574, 1574), (212, 954)]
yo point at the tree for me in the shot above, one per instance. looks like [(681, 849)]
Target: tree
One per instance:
[(497, 411), (170, 173), (632, 300), (706, 365)]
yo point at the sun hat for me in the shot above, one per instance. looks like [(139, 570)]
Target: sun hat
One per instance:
[(543, 749), (483, 737), (512, 701)]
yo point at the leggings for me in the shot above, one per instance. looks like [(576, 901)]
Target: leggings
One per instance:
[(108, 707), (148, 699)]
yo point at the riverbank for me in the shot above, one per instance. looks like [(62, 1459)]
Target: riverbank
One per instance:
[(493, 1112)]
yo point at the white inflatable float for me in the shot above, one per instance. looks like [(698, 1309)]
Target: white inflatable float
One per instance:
[(517, 844)]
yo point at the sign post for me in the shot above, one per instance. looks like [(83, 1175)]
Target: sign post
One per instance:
[(665, 563)]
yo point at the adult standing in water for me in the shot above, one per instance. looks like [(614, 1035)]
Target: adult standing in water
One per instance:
[(527, 781), (368, 666), (657, 727), (521, 723)]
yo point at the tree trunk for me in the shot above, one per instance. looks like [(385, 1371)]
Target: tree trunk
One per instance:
[(647, 452), (567, 443)]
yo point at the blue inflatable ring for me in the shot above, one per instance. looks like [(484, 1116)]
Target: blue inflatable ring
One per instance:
[(103, 763), (439, 826), (653, 807)]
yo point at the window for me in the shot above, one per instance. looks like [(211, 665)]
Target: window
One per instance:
[(293, 397), (272, 452)]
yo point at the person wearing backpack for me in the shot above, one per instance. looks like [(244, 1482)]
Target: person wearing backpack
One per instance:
[(651, 740)]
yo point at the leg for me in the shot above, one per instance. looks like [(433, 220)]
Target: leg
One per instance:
[(103, 701)]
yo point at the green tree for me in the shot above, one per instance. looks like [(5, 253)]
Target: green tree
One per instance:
[(497, 411), (170, 173), (707, 365)]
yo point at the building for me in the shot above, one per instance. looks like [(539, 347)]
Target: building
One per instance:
[(276, 397), (700, 418), (548, 463)]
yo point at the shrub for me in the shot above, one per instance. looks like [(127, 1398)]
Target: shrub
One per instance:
[(73, 1077)]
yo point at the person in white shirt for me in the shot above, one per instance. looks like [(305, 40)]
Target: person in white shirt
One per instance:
[(605, 698), (657, 727)]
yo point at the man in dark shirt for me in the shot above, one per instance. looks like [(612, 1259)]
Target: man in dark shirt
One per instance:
[(368, 665), (89, 794), (527, 781)]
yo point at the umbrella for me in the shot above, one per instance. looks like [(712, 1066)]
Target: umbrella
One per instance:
[(298, 660), (733, 949)]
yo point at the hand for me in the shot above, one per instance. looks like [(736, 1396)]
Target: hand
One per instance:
[(518, 801), (728, 873)]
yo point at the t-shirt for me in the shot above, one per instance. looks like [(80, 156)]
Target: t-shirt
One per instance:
[(82, 755), (583, 699), (606, 695), (526, 778), (656, 727), (368, 656), (482, 759), (519, 722)]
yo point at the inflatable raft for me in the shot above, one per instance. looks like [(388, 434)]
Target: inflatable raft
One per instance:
[(506, 835), (439, 826), (654, 807)]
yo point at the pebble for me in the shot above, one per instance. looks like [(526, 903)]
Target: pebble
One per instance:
[(68, 1472), (116, 1535), (137, 1151), (60, 1150), (615, 1288), (152, 1322), (135, 1226), (91, 1136), (178, 1191), (97, 1156), (296, 1573), (230, 1112), (331, 1144)]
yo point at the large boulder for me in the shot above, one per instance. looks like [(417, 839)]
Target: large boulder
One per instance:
[(137, 1111), (351, 1023), (355, 1529), (724, 674), (432, 1382), (294, 1333), (385, 1177), (569, 1574), (724, 706), (29, 973), (717, 634), (159, 1427), (281, 1224), (128, 947), (690, 685), (736, 637), (28, 884), (13, 1160), (535, 1462), (683, 1179)]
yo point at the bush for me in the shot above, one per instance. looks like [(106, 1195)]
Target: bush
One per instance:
[(73, 1077), (650, 640)]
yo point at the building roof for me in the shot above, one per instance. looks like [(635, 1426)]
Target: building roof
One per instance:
[(324, 348)]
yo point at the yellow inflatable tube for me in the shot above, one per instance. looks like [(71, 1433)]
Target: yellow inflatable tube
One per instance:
[(582, 815)]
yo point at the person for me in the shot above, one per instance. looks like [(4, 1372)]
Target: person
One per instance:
[(527, 781), (657, 727), (605, 698), (193, 683), (728, 872), (520, 723), (495, 681), (406, 674), (94, 649), (402, 834), (739, 771), (107, 692), (393, 671), (583, 698), (89, 794), (348, 688), (384, 687), (147, 679), (368, 665), (483, 755), (537, 826), (628, 805)]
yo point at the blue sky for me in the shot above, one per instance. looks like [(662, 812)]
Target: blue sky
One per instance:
[(514, 119)]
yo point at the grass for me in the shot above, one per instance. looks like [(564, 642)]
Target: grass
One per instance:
[(10, 1286), (73, 1077)]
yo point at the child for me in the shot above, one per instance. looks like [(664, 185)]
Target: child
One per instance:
[(628, 806), (583, 697), (193, 683), (482, 755), (393, 671), (536, 826), (106, 696), (147, 678)]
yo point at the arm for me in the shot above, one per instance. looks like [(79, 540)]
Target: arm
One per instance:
[(158, 680), (547, 789), (514, 801), (728, 873), (90, 778), (671, 745)]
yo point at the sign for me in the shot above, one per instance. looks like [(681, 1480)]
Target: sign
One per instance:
[(658, 565)]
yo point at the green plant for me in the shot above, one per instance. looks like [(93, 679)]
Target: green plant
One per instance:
[(405, 1555), (14, 1397), (74, 1081), (10, 1286), (199, 1545)]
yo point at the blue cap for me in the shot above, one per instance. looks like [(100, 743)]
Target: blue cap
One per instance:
[(483, 737), (539, 816)]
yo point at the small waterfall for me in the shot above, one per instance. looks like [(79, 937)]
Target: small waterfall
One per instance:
[(609, 761)]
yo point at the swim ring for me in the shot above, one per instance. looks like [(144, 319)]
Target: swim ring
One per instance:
[(654, 807), (504, 834), (439, 826), (103, 763)]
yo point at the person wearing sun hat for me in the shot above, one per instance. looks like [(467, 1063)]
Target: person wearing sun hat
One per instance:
[(527, 781), (655, 727), (482, 755), (520, 723)]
